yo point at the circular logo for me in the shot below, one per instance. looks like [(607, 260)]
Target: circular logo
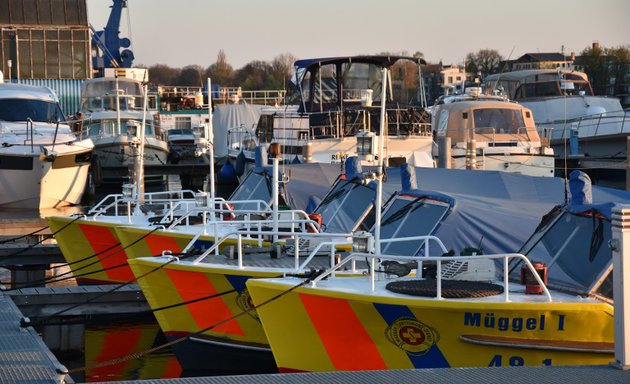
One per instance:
[(245, 303), (411, 335)]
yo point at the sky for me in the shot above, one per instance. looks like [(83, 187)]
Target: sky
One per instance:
[(185, 32)]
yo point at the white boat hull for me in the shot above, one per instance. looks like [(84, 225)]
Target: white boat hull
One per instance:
[(44, 182)]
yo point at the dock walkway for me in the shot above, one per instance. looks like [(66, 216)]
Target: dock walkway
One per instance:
[(24, 358), (511, 375)]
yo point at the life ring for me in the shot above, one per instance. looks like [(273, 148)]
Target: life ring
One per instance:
[(189, 103)]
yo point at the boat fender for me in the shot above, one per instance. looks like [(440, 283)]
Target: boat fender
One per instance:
[(316, 217), (240, 164), (227, 175)]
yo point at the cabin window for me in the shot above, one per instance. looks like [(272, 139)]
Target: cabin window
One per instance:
[(498, 120), (325, 87), (443, 122), (359, 76), (19, 110), (183, 122)]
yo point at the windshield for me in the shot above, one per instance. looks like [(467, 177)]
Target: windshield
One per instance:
[(254, 187), (109, 127), (408, 216), (498, 120), (575, 249), (345, 205), (17, 110)]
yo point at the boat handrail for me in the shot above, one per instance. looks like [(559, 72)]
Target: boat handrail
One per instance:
[(240, 232), (592, 122), (333, 124), (116, 200), (224, 207), (439, 260)]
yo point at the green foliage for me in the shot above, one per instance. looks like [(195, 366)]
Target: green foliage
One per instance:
[(606, 68)]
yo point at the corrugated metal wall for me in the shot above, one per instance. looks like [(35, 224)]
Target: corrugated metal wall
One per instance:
[(68, 91)]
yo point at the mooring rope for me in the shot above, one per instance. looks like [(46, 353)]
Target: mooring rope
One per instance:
[(139, 354), (116, 288), (30, 246), (56, 279)]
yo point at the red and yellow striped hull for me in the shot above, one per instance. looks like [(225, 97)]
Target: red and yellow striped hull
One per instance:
[(218, 300), (92, 249), (330, 329)]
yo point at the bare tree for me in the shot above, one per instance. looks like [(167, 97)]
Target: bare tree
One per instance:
[(484, 61), (282, 67)]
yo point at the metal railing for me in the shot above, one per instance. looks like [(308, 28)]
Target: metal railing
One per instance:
[(439, 260), (122, 205), (592, 125)]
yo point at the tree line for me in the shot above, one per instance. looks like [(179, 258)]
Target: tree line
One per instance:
[(606, 68), (254, 75)]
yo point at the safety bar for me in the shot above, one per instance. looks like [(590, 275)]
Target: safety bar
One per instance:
[(439, 260), (239, 233)]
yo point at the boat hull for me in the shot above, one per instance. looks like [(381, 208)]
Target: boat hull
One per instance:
[(524, 164), (113, 157), (350, 331), (203, 301), (31, 180), (92, 249), (204, 357)]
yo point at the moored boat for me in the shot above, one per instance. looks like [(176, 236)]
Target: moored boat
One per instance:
[(491, 133), (42, 162), (113, 114), (337, 112), (586, 131), (551, 304)]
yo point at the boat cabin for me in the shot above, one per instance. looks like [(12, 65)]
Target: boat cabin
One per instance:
[(489, 119), (112, 94), (537, 83)]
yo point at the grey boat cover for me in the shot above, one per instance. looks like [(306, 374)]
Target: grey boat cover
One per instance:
[(492, 210), (229, 116)]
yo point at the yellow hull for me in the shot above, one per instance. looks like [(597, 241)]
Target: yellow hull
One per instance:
[(97, 251), (216, 300), (92, 250), (315, 329)]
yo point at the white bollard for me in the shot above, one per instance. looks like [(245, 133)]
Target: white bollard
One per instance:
[(620, 245)]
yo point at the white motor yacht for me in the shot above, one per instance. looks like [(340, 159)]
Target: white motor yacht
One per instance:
[(42, 162)]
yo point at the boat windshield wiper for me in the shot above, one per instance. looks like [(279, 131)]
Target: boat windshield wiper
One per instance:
[(402, 211), (336, 194)]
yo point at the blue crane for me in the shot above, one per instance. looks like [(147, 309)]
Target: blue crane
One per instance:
[(114, 49)]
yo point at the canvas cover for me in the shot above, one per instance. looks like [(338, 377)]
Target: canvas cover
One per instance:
[(491, 210)]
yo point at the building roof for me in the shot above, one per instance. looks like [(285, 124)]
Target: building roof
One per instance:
[(538, 57)]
